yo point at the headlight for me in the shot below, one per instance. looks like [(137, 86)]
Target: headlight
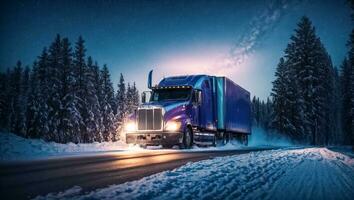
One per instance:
[(172, 126), (130, 127)]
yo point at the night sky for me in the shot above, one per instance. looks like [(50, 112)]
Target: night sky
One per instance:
[(240, 39)]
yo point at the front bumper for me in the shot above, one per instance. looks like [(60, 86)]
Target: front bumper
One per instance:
[(154, 138)]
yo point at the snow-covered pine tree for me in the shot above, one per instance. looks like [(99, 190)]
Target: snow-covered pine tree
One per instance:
[(351, 63), (33, 105), (108, 119), (23, 101), (337, 137), (253, 111), (256, 111), (280, 119), (70, 118), (129, 99), (268, 113), (294, 114), (308, 78), (261, 112), (15, 118), (325, 92), (121, 99), (79, 74), (98, 90), (92, 107), (347, 87), (3, 100), (123, 103), (43, 96), (304, 67), (54, 102), (135, 97)]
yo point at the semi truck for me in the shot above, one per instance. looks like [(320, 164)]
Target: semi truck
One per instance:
[(194, 109)]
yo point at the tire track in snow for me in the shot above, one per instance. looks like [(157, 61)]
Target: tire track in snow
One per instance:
[(277, 174)]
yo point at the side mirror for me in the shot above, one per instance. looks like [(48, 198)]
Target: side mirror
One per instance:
[(197, 97), (145, 96)]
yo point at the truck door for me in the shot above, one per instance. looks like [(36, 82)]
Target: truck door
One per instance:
[(195, 115), (206, 107)]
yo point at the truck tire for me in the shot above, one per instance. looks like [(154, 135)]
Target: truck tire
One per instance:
[(225, 138), (245, 140), (214, 141), (187, 139)]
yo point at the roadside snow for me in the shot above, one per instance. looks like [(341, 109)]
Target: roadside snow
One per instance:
[(13, 147), (312, 173), (260, 137)]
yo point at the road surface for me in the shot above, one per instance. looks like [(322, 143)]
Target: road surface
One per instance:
[(27, 179)]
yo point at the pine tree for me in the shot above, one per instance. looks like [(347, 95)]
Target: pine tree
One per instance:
[(63, 98), (108, 119), (15, 117), (43, 96), (70, 117), (129, 99), (268, 113), (33, 104), (3, 100), (98, 90), (308, 86), (305, 71), (25, 81), (281, 121), (92, 107), (253, 109), (123, 103), (350, 134), (80, 70), (135, 97), (347, 88), (347, 102), (337, 131), (54, 102)]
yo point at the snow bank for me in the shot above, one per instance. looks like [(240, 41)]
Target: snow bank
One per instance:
[(313, 173), (13, 147)]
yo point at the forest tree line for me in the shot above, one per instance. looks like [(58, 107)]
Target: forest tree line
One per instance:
[(311, 101), (64, 96)]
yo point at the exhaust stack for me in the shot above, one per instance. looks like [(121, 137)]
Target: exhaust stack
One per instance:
[(150, 80)]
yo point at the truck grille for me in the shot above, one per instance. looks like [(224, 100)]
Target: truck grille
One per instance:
[(150, 119)]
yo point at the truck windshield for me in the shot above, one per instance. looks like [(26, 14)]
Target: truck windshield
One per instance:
[(171, 94)]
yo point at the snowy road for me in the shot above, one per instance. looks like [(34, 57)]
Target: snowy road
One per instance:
[(311, 173), (24, 179)]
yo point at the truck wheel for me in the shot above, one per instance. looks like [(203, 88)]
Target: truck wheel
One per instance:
[(225, 138), (214, 141), (187, 139), (245, 140)]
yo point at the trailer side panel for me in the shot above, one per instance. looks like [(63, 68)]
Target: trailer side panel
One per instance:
[(237, 108)]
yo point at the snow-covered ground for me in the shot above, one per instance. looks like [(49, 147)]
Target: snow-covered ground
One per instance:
[(312, 173), (13, 147)]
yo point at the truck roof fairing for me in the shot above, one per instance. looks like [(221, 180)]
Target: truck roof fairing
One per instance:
[(187, 81)]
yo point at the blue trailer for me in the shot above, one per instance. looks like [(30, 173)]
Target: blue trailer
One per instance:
[(187, 110)]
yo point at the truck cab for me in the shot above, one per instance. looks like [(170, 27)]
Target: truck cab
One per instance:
[(181, 110)]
